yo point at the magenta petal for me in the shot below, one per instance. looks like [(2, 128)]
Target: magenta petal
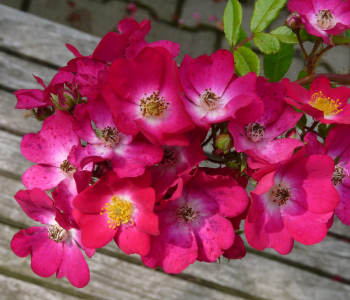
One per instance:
[(269, 231), (82, 125), (76, 235), (100, 113), (74, 50), (132, 240), (131, 160), (313, 146), (189, 90), (147, 221), (46, 253), (43, 177), (37, 205), (132, 79), (29, 99), (136, 43), (173, 48), (63, 196), (73, 265), (237, 250), (94, 198), (305, 226), (313, 190), (174, 250), (338, 141), (343, 210), (213, 72), (214, 235), (62, 77), (95, 230), (296, 92), (64, 130), (44, 147), (111, 47)]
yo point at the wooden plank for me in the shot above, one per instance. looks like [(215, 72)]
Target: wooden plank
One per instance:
[(15, 289), (42, 39), (250, 274), (17, 73), (13, 120), (112, 278)]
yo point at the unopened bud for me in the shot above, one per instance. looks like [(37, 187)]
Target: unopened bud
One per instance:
[(218, 152), (293, 21), (66, 98), (224, 141), (42, 113)]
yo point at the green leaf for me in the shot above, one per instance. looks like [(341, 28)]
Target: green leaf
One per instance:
[(347, 33), (265, 11), (233, 16), (277, 65), (302, 74), (322, 130), (246, 61), (285, 35), (339, 40), (267, 43), (242, 37)]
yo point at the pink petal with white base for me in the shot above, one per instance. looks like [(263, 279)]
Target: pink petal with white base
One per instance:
[(73, 265), (37, 206), (174, 250), (42, 176)]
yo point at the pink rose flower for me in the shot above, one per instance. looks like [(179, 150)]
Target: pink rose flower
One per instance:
[(53, 148), (337, 146), (293, 200), (213, 93), (323, 18), (120, 209), (144, 96), (326, 104), (53, 248), (193, 226), (128, 156), (259, 138)]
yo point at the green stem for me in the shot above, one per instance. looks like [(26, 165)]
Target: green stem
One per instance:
[(297, 32)]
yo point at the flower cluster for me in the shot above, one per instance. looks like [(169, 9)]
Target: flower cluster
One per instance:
[(122, 141)]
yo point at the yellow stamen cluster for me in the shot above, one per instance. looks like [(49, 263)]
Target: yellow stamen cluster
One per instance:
[(325, 104), (119, 212), (153, 105)]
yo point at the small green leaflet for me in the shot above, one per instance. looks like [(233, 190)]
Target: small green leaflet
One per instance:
[(277, 65), (265, 12), (246, 61), (232, 21), (267, 43), (286, 35)]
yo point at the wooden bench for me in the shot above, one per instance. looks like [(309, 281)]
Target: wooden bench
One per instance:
[(29, 45)]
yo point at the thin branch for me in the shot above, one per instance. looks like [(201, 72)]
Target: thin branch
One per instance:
[(243, 42), (297, 32), (338, 78)]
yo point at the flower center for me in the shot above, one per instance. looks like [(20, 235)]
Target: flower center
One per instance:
[(325, 19), (186, 214), (153, 105), (209, 100), (109, 136), (327, 105), (280, 194), (119, 212), (255, 132), (338, 175), (57, 233), (67, 168), (168, 157)]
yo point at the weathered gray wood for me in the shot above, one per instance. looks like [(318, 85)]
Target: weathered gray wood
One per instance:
[(13, 120), (112, 278), (17, 73), (255, 275), (39, 38), (14, 289)]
